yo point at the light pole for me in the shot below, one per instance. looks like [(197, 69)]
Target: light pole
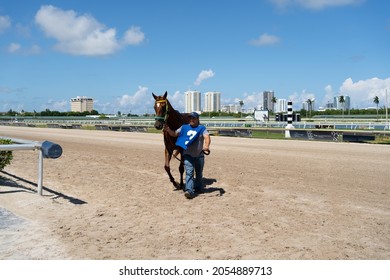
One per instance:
[(387, 119)]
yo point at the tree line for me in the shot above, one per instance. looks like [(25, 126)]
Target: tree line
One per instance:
[(49, 113)]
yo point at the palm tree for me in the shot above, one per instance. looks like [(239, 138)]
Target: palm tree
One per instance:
[(274, 100), (376, 101), (342, 101), (309, 104), (241, 104)]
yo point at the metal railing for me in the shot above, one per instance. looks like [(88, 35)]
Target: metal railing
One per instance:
[(46, 149)]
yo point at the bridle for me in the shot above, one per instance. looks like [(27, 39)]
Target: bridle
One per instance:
[(162, 119)]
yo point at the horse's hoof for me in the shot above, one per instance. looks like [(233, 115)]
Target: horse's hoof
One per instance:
[(178, 186)]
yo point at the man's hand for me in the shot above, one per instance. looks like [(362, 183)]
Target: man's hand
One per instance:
[(207, 142), (169, 131)]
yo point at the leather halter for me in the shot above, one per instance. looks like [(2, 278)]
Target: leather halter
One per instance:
[(162, 118)]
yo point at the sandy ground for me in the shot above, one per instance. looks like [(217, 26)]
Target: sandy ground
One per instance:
[(108, 197)]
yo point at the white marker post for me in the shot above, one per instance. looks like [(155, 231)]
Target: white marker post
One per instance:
[(289, 119)]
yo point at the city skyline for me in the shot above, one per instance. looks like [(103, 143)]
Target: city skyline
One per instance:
[(193, 102), (120, 54)]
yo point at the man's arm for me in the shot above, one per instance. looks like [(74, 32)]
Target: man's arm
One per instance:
[(207, 142), (171, 132)]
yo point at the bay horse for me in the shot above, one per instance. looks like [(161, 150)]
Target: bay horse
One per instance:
[(167, 115)]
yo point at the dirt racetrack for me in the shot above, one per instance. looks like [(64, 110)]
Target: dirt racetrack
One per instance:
[(108, 197)]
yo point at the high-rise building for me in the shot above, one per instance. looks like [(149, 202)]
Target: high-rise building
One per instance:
[(309, 105), (267, 100), (329, 105), (338, 105), (81, 104), (212, 101), (192, 101), (281, 106)]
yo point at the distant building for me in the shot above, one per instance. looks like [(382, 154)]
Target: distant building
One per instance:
[(248, 111), (81, 104), (212, 101), (308, 106), (329, 105), (281, 106), (337, 105), (192, 101), (231, 108), (267, 100)]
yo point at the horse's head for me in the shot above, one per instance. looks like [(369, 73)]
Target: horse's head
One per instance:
[(161, 109)]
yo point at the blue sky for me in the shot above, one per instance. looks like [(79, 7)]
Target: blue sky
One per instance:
[(120, 51)]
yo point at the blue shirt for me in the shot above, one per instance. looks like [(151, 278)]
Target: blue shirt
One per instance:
[(191, 139)]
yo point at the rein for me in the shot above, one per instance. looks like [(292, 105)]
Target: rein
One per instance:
[(202, 152)]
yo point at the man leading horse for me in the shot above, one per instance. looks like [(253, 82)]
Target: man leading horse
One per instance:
[(195, 141)]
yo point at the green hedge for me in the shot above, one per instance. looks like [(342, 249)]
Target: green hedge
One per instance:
[(5, 156)]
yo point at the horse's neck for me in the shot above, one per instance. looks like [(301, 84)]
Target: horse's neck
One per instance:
[(175, 119)]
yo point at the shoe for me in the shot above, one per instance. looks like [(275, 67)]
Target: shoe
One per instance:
[(188, 195)]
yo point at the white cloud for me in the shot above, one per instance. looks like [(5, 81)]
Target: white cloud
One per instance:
[(265, 40), (328, 95), (363, 92), (314, 4), (8, 90), (134, 36), (321, 4), (298, 98), (253, 100), (5, 23), (53, 105), (16, 48), (130, 100), (177, 101), (204, 75), (137, 103), (82, 34)]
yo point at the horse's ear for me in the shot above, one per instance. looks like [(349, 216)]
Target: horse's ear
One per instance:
[(155, 97), (165, 95)]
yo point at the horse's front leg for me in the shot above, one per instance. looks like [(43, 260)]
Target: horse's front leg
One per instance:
[(168, 157), (181, 170)]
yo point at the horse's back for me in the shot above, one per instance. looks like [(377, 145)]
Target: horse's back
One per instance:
[(186, 118)]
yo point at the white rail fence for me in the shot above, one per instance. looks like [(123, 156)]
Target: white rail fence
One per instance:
[(46, 149)]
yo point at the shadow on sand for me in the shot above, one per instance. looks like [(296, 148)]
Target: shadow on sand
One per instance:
[(208, 182), (21, 188)]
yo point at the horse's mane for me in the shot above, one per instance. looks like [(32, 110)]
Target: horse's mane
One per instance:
[(176, 119)]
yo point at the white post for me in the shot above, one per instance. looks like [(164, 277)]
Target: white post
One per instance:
[(387, 119), (289, 119), (40, 171)]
